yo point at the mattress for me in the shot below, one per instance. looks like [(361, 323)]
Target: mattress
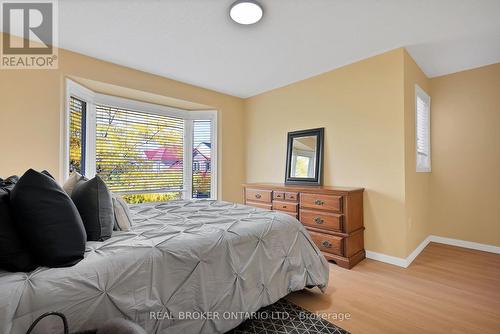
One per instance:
[(198, 266)]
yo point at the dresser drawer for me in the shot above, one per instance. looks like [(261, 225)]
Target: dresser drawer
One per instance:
[(258, 195), (290, 196), (319, 219), (285, 206), (322, 202), (278, 195), (259, 205), (328, 243)]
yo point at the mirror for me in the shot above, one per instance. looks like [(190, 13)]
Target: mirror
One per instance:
[(304, 157)]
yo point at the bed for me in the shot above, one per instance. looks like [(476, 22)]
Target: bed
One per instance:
[(211, 261)]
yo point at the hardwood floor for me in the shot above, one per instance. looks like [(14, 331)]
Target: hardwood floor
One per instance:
[(445, 290)]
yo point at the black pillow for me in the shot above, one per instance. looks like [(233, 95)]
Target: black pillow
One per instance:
[(48, 174), (93, 200), (47, 220), (10, 181), (14, 256)]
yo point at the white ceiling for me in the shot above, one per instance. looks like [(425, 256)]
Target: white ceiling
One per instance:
[(195, 41)]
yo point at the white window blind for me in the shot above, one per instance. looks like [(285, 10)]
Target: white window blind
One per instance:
[(139, 152), (202, 158), (423, 130), (77, 118)]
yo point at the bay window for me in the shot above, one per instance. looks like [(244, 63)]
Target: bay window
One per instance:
[(145, 152)]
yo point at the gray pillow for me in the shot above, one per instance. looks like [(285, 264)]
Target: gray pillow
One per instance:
[(71, 182), (123, 218), (93, 201)]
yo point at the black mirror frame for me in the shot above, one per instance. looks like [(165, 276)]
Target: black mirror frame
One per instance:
[(317, 180)]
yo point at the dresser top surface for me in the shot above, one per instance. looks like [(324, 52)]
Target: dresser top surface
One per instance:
[(301, 188)]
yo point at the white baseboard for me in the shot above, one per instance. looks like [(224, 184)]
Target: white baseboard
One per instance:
[(409, 259), (405, 262), (466, 244), (397, 261)]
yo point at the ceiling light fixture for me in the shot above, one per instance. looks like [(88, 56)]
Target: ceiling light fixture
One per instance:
[(246, 12)]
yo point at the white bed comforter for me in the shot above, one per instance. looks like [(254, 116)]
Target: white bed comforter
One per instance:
[(202, 258)]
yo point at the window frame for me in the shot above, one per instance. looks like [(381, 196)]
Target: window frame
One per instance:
[(420, 93), (86, 95), (92, 99), (83, 139)]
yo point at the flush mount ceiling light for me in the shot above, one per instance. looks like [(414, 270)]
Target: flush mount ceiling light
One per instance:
[(246, 12)]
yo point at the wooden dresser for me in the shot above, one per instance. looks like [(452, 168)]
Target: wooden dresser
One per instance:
[(333, 216)]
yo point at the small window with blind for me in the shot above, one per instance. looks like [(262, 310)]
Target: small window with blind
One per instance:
[(77, 120), (202, 157), (422, 130), (144, 152)]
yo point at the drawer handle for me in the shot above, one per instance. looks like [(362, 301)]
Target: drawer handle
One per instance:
[(258, 195), (319, 202), (326, 244), (284, 206), (318, 220)]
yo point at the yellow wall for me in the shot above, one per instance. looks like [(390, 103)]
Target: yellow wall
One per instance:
[(361, 108), (32, 105), (465, 143), (417, 185), (368, 111)]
